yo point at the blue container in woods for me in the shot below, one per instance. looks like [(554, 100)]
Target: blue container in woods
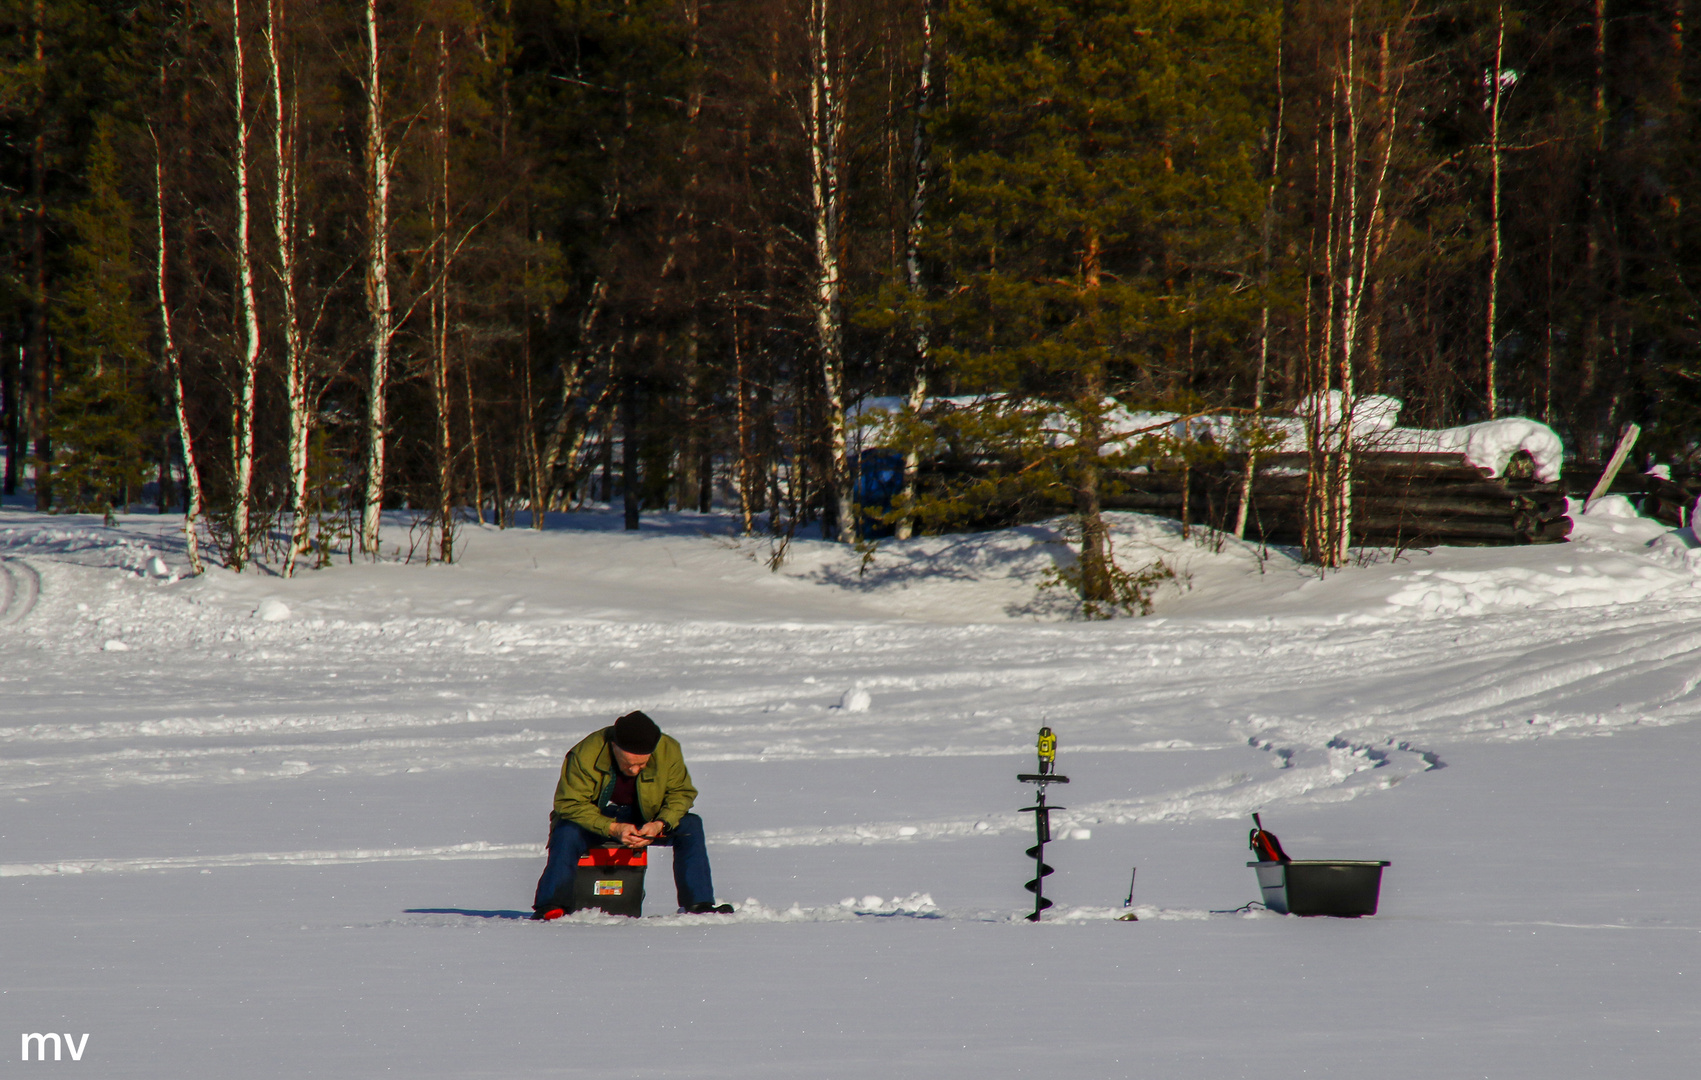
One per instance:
[(879, 479)]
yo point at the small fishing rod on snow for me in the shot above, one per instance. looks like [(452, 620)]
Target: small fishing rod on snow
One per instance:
[(1129, 915)]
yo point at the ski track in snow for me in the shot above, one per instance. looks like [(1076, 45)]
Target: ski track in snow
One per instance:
[(1330, 778), (22, 585), (1343, 706)]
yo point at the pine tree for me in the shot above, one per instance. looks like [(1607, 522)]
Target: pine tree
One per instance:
[(101, 424), (1101, 164)]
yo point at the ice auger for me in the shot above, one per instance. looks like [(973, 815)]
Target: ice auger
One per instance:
[(1042, 816)]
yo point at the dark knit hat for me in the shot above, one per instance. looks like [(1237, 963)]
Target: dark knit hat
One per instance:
[(636, 733)]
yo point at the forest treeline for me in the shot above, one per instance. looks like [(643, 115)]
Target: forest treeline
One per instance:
[(286, 263)]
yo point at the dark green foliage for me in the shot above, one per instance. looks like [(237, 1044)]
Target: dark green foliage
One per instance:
[(330, 501), (1101, 195), (1101, 160), (1130, 592), (625, 190), (101, 416)]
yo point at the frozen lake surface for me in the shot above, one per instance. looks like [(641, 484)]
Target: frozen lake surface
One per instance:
[(277, 828)]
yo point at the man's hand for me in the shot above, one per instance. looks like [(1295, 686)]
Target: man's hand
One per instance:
[(634, 837)]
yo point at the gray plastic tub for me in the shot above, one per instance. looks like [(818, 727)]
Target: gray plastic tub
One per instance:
[(1346, 888)]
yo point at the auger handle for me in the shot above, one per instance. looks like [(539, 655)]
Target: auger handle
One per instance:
[(1047, 750)]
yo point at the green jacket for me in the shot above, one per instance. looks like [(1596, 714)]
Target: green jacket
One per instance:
[(587, 777)]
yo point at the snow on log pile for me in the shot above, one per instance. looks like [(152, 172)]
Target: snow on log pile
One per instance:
[(1491, 483)]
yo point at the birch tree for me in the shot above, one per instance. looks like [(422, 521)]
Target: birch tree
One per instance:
[(1364, 63), (381, 331), (285, 189), (921, 166), (248, 361), (1266, 254), (192, 502), (825, 132), (440, 262), (1496, 84)]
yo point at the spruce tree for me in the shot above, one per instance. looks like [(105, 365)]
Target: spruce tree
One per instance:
[(101, 427), (1101, 163)]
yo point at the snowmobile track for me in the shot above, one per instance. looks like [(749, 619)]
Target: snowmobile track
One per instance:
[(20, 587)]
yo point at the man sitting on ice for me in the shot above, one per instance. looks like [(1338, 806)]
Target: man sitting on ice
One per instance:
[(627, 783)]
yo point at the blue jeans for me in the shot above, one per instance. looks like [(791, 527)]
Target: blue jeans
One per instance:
[(569, 842)]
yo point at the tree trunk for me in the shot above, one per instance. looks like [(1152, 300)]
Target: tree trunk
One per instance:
[(532, 461), (242, 409), (1589, 377), (826, 133), (39, 368), (697, 468), (379, 313), (1355, 221), (629, 453), (439, 312), (472, 445), (741, 423), (284, 189), (1264, 255), (1491, 328), (1096, 585), (174, 372), (567, 430), (921, 164), (11, 400)]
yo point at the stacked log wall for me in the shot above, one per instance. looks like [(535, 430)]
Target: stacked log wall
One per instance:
[(1399, 500)]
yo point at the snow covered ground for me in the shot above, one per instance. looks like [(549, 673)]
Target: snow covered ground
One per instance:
[(266, 828)]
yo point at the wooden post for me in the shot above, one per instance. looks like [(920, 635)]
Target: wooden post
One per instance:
[(1625, 442)]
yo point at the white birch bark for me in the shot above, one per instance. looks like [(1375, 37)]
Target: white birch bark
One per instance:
[(1265, 252), (242, 410), (826, 132), (1320, 364), (921, 164), (377, 283), (440, 314), (1363, 250), (1357, 209), (284, 192), (743, 425), (174, 371), (1351, 297), (567, 431)]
